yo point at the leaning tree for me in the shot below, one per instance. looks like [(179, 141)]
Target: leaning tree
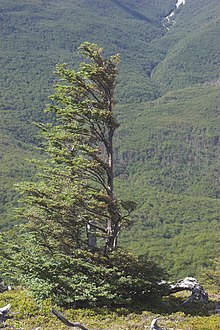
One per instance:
[(73, 203), (71, 210), (67, 247)]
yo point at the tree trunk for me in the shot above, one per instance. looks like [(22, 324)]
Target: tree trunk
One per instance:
[(190, 284), (112, 223)]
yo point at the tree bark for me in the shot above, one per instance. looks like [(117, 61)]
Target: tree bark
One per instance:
[(190, 284)]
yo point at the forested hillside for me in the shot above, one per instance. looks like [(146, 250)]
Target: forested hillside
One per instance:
[(167, 147)]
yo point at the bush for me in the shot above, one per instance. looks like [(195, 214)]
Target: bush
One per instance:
[(85, 279)]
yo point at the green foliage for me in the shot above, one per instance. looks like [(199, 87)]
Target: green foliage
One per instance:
[(15, 166), (194, 59), (75, 189), (185, 225), (76, 185), (192, 52), (83, 279), (212, 276), (175, 147), (166, 146)]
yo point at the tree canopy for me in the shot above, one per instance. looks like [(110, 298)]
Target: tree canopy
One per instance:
[(74, 198)]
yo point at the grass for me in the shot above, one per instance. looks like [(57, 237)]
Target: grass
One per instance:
[(27, 314)]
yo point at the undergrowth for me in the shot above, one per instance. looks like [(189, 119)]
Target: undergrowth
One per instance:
[(28, 314)]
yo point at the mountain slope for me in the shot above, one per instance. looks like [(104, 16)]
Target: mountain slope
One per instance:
[(174, 141), (192, 59), (36, 35)]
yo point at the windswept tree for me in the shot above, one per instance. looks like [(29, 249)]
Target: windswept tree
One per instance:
[(66, 250), (73, 203)]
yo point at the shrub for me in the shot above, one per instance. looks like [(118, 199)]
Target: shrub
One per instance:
[(85, 279)]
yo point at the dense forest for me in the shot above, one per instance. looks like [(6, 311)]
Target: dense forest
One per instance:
[(166, 150)]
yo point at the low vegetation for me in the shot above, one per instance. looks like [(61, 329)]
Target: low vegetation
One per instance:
[(27, 314)]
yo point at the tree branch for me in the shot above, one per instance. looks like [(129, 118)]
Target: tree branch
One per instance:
[(97, 227), (66, 322), (154, 325)]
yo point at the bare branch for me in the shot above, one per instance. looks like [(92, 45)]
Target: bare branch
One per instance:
[(97, 227), (66, 322), (154, 325)]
